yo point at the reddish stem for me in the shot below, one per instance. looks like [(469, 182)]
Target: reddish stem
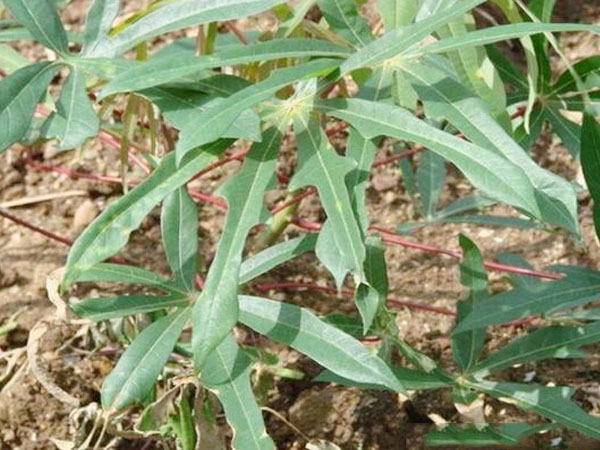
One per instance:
[(310, 191), (231, 26), (347, 293), (402, 154), (48, 234), (234, 157), (221, 204), (199, 281)]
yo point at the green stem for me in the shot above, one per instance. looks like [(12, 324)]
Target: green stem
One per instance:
[(278, 224)]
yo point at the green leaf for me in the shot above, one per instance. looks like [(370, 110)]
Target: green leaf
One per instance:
[(482, 434), (347, 324), (411, 379), (218, 118), (42, 21), (475, 69), (370, 297), (343, 17), (526, 138), (569, 132), (590, 162), (177, 14), (399, 40), (553, 403), (579, 287), (516, 260), (512, 12), (274, 256), (99, 20), (179, 227), (227, 375), (321, 167), (467, 346), (464, 204), (216, 310), (75, 119), (11, 60), (494, 221), (431, 177), (501, 33), (543, 10), (19, 94), (550, 342), (120, 273), (509, 73), (586, 68), (362, 151), (161, 70), (325, 344), (98, 309), (111, 229), (397, 13), (184, 109), (495, 176), (444, 97), (141, 364)]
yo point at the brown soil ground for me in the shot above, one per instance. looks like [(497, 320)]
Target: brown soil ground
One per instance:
[(30, 416)]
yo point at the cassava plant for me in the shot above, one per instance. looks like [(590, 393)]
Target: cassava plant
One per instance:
[(426, 74)]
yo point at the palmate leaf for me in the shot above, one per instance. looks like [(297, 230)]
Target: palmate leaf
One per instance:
[(175, 15), (324, 343), (495, 176), (163, 69), (75, 119), (343, 17), (111, 229), (217, 119), (445, 97), (227, 374), (590, 162), (580, 286), (183, 107), (553, 403), (550, 342), (467, 346), (19, 94), (399, 40), (98, 309), (362, 151), (321, 167), (42, 21), (99, 20), (179, 229), (141, 364), (105, 308), (216, 309)]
